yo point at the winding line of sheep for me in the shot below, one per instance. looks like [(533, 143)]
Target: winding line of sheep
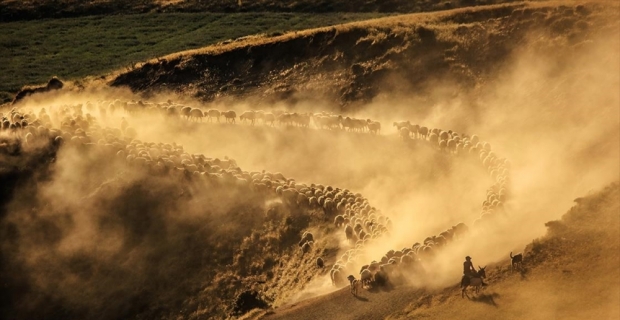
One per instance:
[(497, 167), (322, 120), (395, 263), (446, 141), (82, 130), (358, 220)]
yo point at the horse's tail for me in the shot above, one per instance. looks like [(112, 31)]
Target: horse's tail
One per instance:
[(510, 254)]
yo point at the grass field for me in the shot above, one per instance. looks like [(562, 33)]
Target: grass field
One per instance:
[(14, 10), (72, 48)]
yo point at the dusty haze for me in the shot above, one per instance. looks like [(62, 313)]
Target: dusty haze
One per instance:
[(554, 115)]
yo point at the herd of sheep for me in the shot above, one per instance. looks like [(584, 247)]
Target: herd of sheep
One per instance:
[(321, 120), (352, 213)]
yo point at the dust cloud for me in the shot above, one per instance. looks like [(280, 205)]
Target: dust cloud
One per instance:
[(556, 118), (101, 230)]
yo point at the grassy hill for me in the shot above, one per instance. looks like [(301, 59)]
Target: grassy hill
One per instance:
[(11, 10), (73, 48), (128, 243), (409, 53)]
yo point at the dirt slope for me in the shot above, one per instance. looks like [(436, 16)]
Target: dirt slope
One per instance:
[(356, 63), (571, 273)]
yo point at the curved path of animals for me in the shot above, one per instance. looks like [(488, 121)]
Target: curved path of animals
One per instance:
[(360, 221)]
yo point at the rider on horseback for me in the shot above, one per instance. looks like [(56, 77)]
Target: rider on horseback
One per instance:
[(468, 267), (469, 271)]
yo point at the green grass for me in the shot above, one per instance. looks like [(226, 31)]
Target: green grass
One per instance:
[(72, 48)]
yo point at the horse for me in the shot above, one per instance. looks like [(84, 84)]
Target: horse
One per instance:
[(474, 281)]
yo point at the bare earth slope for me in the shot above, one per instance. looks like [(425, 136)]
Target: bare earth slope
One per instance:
[(360, 62), (571, 273)]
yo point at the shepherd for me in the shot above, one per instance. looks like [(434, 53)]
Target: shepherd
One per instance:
[(469, 272), (475, 281)]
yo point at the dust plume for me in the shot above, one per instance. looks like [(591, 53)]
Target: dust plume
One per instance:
[(87, 235), (556, 117)]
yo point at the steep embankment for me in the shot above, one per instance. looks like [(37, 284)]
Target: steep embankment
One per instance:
[(359, 62), (571, 273)]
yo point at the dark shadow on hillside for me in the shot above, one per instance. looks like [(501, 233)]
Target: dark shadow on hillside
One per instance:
[(384, 287), (486, 298), (361, 298)]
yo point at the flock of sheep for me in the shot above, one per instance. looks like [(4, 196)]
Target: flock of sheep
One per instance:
[(352, 213), (321, 120)]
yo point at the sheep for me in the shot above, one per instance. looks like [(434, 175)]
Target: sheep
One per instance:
[(349, 232), (307, 246), (334, 274), (269, 118), (307, 236), (374, 126), (354, 284), (320, 263), (423, 131), (329, 206), (407, 260), (312, 201), (248, 115), (402, 124), (404, 133), (415, 129), (444, 135), (213, 113), (185, 112), (339, 220), (517, 261), (196, 113), (366, 277), (374, 266), (474, 139), (230, 116)]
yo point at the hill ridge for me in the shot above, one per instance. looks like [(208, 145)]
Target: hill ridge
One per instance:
[(366, 60)]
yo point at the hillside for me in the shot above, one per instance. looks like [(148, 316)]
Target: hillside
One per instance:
[(35, 50), (11, 10), (248, 179), (461, 49), (158, 230), (573, 272)]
